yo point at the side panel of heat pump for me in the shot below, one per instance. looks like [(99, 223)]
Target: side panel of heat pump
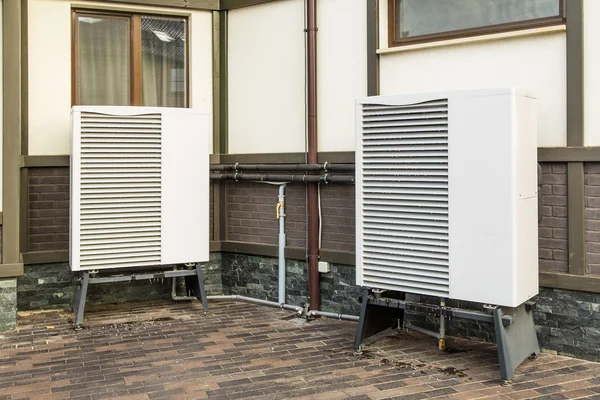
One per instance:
[(493, 199), (185, 188)]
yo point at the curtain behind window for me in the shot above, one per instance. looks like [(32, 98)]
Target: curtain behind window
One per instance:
[(163, 62), (103, 60)]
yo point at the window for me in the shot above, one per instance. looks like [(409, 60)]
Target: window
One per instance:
[(413, 21), (129, 59)]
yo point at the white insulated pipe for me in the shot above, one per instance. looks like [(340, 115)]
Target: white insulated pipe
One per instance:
[(281, 217)]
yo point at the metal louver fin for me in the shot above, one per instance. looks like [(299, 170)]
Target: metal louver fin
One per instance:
[(404, 197), (120, 190)]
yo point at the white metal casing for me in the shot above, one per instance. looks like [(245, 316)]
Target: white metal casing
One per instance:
[(446, 192), (139, 187)]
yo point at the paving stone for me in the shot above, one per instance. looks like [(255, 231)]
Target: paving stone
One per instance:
[(166, 350)]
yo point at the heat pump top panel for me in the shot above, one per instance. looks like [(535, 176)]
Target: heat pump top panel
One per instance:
[(446, 192), (139, 187)]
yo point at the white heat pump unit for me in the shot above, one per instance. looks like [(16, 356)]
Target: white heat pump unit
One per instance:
[(446, 192), (139, 187)]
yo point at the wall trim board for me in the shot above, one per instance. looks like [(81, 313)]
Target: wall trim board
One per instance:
[(233, 4), (576, 218), (45, 161), (575, 73), (372, 44), (11, 270), (45, 257), (12, 125), (545, 154), (578, 283), (0, 218), (569, 154), (207, 5)]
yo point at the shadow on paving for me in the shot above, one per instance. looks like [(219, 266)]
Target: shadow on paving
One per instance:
[(172, 350)]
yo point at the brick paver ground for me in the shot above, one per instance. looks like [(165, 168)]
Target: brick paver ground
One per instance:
[(171, 350)]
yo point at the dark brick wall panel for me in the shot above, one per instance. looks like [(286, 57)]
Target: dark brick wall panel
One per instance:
[(592, 215), (338, 217), (553, 246), (252, 213), (48, 209)]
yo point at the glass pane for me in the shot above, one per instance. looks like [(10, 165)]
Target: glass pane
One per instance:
[(103, 60), (424, 17), (163, 62)]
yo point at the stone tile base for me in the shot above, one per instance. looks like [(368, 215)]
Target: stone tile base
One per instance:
[(8, 304)]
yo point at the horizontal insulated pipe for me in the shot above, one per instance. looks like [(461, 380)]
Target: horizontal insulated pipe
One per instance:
[(283, 167), (332, 315), (325, 178), (298, 309)]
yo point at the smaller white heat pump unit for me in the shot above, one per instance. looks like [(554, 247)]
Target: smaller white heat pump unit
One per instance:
[(446, 192), (139, 187)]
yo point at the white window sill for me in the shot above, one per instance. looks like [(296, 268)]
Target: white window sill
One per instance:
[(474, 39)]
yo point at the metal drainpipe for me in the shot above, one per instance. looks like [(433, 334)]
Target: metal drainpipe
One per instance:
[(281, 217), (313, 207)]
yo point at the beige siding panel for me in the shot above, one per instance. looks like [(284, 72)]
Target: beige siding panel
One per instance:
[(591, 65), (536, 63), (342, 70), (50, 69), (267, 78)]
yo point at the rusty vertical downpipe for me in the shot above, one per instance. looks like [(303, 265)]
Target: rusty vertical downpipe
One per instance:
[(313, 211)]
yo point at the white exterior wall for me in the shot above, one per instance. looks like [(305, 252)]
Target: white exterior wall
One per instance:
[(342, 70), (536, 63), (50, 69), (266, 78), (1, 105)]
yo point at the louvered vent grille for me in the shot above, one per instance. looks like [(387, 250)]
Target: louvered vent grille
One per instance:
[(405, 197), (120, 217)]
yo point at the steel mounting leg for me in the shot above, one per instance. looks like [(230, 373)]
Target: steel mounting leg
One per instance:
[(375, 319), (201, 289), (517, 341), (79, 301)]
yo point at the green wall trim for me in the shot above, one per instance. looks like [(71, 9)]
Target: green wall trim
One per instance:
[(11, 270)]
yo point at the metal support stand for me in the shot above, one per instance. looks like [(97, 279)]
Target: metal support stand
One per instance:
[(197, 284), (515, 329)]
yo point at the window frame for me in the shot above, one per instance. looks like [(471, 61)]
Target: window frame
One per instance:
[(135, 50), (560, 19)]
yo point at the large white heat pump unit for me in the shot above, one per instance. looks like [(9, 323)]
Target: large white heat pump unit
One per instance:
[(446, 190), (139, 187)]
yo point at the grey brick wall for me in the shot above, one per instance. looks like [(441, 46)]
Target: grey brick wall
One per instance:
[(592, 215), (553, 246), (48, 209), (51, 286), (258, 277)]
